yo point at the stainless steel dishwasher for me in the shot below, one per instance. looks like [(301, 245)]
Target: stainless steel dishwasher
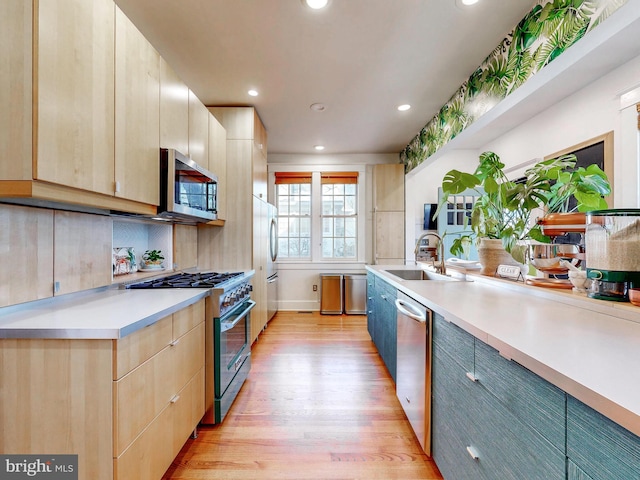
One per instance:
[(413, 375)]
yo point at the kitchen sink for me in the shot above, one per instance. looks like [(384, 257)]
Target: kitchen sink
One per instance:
[(419, 275)]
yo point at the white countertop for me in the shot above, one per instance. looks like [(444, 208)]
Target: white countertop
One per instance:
[(588, 348), (102, 314)]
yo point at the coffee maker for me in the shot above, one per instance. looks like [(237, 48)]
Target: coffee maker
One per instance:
[(567, 243), (613, 253)]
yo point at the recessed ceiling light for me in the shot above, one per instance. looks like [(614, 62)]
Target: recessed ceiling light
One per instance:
[(469, 2), (316, 4), (253, 93), (319, 147), (404, 107), (318, 107)]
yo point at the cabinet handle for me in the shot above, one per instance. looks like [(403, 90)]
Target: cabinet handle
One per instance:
[(472, 377), (175, 399), (175, 342), (471, 451)]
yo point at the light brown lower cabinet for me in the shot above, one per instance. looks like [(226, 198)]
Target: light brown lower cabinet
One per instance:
[(125, 407), (160, 401)]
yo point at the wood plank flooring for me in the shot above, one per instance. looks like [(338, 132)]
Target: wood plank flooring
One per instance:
[(318, 405)]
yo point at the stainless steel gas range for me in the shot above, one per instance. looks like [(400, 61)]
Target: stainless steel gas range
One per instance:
[(228, 321)]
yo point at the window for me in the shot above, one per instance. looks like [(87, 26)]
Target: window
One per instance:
[(339, 215), (317, 215), (293, 192)]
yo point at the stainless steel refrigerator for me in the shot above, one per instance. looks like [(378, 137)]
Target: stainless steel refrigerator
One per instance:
[(272, 257)]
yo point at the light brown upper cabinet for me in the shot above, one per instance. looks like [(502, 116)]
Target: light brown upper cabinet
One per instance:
[(198, 131), (59, 87), (174, 110), (389, 187), (218, 161), (74, 75), (388, 212), (243, 123), (137, 135)]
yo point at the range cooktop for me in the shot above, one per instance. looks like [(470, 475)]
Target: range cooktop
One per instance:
[(189, 280)]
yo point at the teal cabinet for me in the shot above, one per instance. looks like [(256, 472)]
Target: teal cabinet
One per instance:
[(574, 472), (599, 448), (381, 320), (371, 305), (475, 434), (530, 398)]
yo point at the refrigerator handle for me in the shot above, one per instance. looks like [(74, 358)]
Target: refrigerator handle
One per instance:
[(273, 239)]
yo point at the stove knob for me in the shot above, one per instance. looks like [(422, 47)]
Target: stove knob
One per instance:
[(227, 301)]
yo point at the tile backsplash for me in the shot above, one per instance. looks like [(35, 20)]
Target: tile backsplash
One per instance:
[(143, 236)]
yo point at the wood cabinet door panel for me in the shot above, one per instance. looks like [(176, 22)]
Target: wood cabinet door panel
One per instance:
[(75, 94), (139, 346), (187, 318), (237, 121), (174, 110), (137, 134), (388, 184), (82, 251), (198, 131), (188, 410), (16, 37), (389, 235), (188, 356), (151, 454), (57, 397), (218, 161), (141, 395), (26, 235)]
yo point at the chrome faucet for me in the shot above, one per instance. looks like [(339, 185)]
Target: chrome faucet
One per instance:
[(440, 268)]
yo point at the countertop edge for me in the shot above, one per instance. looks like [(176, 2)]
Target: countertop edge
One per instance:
[(95, 332)]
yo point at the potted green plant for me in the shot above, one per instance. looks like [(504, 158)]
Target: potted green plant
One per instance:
[(153, 259), (503, 210)]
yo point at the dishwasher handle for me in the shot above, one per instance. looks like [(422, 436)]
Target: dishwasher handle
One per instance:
[(411, 311)]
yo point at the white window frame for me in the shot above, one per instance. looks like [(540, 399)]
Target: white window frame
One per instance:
[(316, 210)]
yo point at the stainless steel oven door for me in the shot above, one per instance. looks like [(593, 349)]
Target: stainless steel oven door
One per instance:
[(231, 344)]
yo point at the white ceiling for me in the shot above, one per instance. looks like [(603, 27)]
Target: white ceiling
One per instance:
[(361, 58)]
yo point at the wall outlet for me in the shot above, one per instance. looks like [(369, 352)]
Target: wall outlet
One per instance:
[(315, 288)]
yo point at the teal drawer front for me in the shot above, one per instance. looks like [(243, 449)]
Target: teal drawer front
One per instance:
[(530, 398), (575, 473), (468, 421), (601, 448), (450, 423), (510, 449), (455, 341)]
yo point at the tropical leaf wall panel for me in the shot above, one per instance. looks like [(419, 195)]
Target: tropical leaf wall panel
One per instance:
[(542, 35)]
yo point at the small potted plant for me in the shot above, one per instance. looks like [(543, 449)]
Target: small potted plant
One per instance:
[(152, 259), (501, 217)]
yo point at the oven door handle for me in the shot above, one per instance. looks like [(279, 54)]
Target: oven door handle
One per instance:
[(250, 304)]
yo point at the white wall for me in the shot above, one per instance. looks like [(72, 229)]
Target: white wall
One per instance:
[(588, 113), (296, 279)]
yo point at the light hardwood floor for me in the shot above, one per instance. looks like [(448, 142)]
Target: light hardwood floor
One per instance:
[(318, 405)]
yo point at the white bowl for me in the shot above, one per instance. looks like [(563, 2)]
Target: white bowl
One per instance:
[(578, 279)]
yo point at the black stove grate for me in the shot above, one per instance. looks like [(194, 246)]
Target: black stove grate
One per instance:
[(188, 280)]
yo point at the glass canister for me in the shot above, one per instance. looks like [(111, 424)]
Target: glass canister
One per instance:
[(612, 247)]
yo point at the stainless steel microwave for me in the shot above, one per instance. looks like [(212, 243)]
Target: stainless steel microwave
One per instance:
[(188, 192)]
